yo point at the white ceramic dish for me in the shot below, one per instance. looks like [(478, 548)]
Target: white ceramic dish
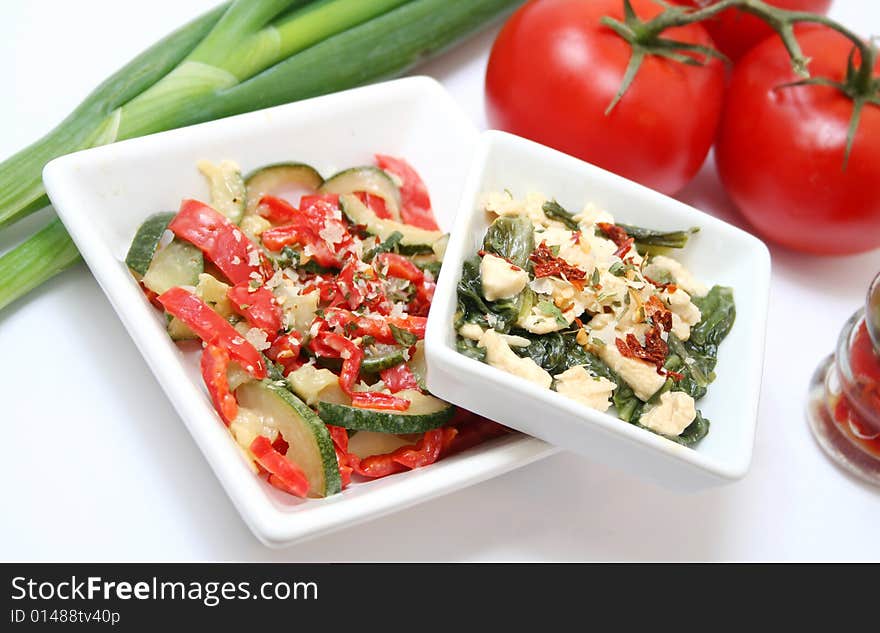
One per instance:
[(103, 195), (720, 254)]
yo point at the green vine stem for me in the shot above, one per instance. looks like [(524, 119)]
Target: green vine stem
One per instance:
[(645, 38)]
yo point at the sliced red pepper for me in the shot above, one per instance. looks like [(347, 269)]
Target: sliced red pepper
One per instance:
[(379, 401), (279, 237), (341, 347), (258, 307), (316, 216), (285, 351), (356, 325), (340, 444), (375, 203), (398, 266), (398, 378), (213, 329), (283, 474), (221, 241), (425, 452), (277, 210), (307, 202), (215, 362), (472, 430), (415, 201)]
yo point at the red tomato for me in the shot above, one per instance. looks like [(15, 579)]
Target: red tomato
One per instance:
[(554, 69), (735, 33), (780, 151)]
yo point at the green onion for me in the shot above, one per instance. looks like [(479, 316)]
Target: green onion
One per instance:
[(237, 58), (41, 257)]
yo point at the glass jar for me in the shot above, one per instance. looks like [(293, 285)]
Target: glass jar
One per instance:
[(844, 402)]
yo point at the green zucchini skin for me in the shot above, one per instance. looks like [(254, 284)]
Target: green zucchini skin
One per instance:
[(146, 241), (380, 362), (369, 179), (268, 178), (309, 424), (383, 421), (413, 237)]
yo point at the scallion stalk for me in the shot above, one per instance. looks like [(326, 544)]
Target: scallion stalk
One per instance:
[(238, 58)]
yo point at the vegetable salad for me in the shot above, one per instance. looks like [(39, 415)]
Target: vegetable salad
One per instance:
[(596, 310), (309, 297)]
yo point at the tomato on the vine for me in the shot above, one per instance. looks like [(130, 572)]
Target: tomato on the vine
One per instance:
[(735, 33), (781, 150), (554, 70)]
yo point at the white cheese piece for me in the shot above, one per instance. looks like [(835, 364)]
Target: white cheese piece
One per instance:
[(577, 384), (683, 277), (471, 331), (299, 310), (671, 416), (685, 314), (500, 356), (638, 374), (501, 279)]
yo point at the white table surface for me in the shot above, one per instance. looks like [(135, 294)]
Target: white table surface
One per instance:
[(96, 465)]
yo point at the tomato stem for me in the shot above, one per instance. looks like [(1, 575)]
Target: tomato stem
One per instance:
[(644, 36)]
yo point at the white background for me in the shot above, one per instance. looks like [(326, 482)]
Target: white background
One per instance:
[(97, 466)]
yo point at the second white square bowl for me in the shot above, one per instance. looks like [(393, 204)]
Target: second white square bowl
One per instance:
[(718, 254)]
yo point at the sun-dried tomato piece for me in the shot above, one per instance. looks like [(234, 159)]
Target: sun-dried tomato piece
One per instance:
[(654, 350), (659, 314), (615, 233), (670, 288), (549, 265)]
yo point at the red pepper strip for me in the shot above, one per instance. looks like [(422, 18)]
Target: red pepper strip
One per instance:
[(349, 292), (398, 378), (307, 202), (277, 210), (285, 351), (258, 307), (351, 356), (280, 444), (425, 452), (340, 443), (399, 267), (415, 201), (472, 430), (213, 329), (283, 474), (215, 362), (355, 325), (379, 401), (374, 203), (279, 237), (221, 241), (152, 297)]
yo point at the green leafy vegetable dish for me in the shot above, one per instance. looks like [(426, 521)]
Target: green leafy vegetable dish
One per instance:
[(596, 310)]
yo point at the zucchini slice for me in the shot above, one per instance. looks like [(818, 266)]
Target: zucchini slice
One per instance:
[(380, 361), (228, 194), (414, 238), (310, 445), (367, 443), (425, 413), (279, 179), (178, 264), (146, 241), (369, 179)]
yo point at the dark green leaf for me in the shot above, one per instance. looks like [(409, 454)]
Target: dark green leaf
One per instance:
[(404, 337), (554, 211), (388, 246), (511, 237)]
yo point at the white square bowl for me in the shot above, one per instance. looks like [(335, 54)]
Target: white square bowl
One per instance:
[(718, 254), (103, 194)]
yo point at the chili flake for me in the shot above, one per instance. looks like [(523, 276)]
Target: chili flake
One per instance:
[(658, 313), (654, 350), (549, 265)]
